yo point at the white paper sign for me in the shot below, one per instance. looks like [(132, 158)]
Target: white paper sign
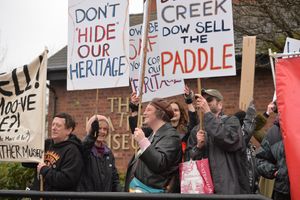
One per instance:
[(196, 38), (98, 44), (154, 84), (291, 45)]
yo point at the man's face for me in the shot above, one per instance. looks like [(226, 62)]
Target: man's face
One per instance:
[(214, 105), (59, 132), (149, 115), (103, 131)]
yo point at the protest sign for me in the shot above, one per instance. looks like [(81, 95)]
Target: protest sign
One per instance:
[(196, 38), (98, 44), (22, 112), (291, 45), (248, 72), (154, 84)]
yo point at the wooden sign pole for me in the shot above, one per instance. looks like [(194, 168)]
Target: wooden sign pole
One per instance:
[(97, 101), (146, 20), (248, 71), (200, 114), (272, 67)]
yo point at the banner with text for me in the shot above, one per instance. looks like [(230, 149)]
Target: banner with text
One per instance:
[(196, 39), (22, 112), (98, 44), (154, 84)]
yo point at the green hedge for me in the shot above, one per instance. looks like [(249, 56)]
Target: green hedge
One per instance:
[(15, 177)]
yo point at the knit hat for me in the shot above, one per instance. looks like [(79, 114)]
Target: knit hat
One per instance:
[(164, 106), (99, 117)]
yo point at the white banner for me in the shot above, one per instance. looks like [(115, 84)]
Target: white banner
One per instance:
[(98, 44), (196, 38), (154, 84), (291, 45), (22, 111)]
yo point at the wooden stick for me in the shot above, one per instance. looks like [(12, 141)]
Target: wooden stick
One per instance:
[(272, 66), (97, 101), (146, 20), (200, 114), (41, 184)]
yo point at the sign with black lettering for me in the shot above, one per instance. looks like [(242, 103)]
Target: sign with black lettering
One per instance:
[(22, 112), (196, 38), (98, 44)]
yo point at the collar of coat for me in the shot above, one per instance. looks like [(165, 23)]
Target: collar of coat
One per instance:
[(161, 130)]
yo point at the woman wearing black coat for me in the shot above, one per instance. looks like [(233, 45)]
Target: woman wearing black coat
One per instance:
[(154, 168), (100, 173)]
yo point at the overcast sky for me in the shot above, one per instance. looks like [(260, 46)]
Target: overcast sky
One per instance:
[(27, 26)]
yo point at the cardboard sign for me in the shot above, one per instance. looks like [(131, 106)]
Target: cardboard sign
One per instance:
[(248, 72), (22, 112), (291, 45), (154, 84), (98, 44), (196, 39)]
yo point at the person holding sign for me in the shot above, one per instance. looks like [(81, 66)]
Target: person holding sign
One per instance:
[(63, 162), (100, 173), (154, 169), (182, 122), (221, 141)]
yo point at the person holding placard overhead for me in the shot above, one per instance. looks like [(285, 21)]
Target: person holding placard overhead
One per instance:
[(100, 173), (154, 168), (221, 142), (182, 121)]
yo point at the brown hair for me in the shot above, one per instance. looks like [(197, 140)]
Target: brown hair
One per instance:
[(183, 120), (69, 120)]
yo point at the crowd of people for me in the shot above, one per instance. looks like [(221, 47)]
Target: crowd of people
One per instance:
[(169, 136)]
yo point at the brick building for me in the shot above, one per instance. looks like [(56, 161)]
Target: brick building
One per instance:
[(114, 102)]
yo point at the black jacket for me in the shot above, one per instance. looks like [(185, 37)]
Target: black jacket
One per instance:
[(64, 165), (100, 173), (271, 158), (226, 150), (159, 162)]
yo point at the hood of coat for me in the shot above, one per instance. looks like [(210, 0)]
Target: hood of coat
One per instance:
[(73, 139)]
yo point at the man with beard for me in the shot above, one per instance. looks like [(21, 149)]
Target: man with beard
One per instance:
[(221, 142)]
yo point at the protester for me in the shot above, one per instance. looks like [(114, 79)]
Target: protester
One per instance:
[(222, 143), (154, 168), (252, 125), (63, 162), (181, 121), (100, 173), (271, 162)]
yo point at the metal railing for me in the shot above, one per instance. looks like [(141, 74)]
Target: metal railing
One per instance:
[(123, 195)]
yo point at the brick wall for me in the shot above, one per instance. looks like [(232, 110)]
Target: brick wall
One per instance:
[(82, 104)]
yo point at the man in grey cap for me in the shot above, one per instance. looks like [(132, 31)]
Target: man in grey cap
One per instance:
[(221, 142)]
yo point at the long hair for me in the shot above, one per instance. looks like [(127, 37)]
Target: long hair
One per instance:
[(183, 120)]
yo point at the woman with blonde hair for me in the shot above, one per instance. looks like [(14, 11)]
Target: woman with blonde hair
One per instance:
[(100, 173)]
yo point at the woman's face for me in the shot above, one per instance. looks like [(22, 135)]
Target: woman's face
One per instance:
[(149, 115), (176, 111), (103, 131)]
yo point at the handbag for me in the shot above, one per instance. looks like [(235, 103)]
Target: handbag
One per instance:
[(136, 186), (195, 177)]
